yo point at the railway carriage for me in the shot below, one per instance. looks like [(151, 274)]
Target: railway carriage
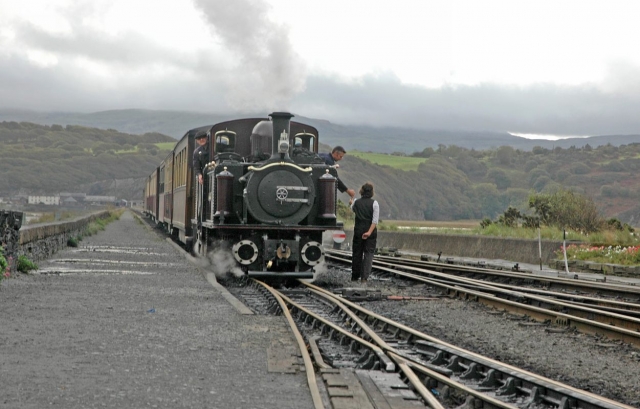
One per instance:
[(151, 195), (267, 196), (165, 192)]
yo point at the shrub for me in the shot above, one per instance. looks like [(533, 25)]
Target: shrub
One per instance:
[(25, 265), (485, 222), (4, 266)]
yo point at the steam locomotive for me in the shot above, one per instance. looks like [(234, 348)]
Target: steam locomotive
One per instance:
[(266, 196)]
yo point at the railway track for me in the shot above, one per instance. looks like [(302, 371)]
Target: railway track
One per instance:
[(346, 338), (601, 289), (614, 319)]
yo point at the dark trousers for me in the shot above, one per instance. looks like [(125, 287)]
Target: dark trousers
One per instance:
[(362, 258)]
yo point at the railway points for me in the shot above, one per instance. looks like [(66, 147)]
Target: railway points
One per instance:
[(128, 304)]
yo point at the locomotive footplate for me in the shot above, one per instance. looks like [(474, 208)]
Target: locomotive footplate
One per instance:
[(271, 274)]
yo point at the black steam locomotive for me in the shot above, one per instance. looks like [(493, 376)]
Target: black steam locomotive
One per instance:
[(267, 196)]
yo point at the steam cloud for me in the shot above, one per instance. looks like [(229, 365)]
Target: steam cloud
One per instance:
[(268, 72), (223, 263)]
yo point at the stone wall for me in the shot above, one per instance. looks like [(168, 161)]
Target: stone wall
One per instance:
[(460, 245), (496, 248), (40, 241), (10, 223)]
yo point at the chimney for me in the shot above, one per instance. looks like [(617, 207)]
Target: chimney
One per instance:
[(281, 134)]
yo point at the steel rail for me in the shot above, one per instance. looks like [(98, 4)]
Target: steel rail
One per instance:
[(593, 314), (385, 350), (626, 291), (629, 291), (445, 380), (404, 366), (588, 399), (587, 320), (308, 364), (387, 363), (619, 307), (622, 305), (415, 382)]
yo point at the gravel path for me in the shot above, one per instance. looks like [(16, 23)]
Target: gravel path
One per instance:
[(125, 321), (607, 368)]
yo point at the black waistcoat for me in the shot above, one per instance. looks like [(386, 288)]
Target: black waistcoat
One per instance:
[(363, 209)]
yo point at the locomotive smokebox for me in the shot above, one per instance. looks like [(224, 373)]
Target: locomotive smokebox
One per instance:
[(281, 131)]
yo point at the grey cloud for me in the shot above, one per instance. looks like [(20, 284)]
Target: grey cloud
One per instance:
[(539, 109), (268, 75), (65, 88), (130, 49)]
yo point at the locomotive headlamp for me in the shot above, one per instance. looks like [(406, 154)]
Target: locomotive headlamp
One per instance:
[(283, 147), (283, 143)]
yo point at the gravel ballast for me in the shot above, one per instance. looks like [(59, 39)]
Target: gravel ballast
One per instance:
[(598, 365)]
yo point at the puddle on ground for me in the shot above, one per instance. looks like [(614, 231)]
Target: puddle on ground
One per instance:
[(114, 249), (98, 261), (72, 271)]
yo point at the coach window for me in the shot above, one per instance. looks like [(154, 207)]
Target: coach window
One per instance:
[(162, 172)]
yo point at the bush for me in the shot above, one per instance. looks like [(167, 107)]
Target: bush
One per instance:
[(25, 265), (4, 266), (72, 242), (567, 209)]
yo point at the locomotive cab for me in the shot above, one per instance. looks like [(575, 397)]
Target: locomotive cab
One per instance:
[(225, 143)]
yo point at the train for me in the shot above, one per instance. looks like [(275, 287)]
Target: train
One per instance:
[(266, 197)]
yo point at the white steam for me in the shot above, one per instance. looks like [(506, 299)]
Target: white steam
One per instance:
[(267, 72), (223, 263)]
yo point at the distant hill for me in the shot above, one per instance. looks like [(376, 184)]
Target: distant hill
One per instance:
[(45, 159), (450, 182), (364, 138)]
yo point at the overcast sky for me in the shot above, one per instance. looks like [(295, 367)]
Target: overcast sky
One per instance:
[(528, 67)]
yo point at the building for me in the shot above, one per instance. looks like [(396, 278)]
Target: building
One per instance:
[(78, 197), (45, 200)]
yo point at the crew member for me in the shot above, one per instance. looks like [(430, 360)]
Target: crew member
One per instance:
[(200, 154), (365, 233), (330, 159)]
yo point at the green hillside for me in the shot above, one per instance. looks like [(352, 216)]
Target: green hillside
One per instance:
[(455, 183), (401, 162), (50, 159), (351, 136), (446, 183)]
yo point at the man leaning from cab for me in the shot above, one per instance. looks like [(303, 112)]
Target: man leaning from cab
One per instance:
[(331, 159)]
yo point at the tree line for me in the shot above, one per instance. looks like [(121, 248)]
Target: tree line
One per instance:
[(459, 183), (453, 183)]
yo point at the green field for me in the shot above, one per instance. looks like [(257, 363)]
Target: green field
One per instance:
[(165, 146), (405, 163)]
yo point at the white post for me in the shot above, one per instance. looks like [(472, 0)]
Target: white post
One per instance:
[(540, 247), (564, 248)]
